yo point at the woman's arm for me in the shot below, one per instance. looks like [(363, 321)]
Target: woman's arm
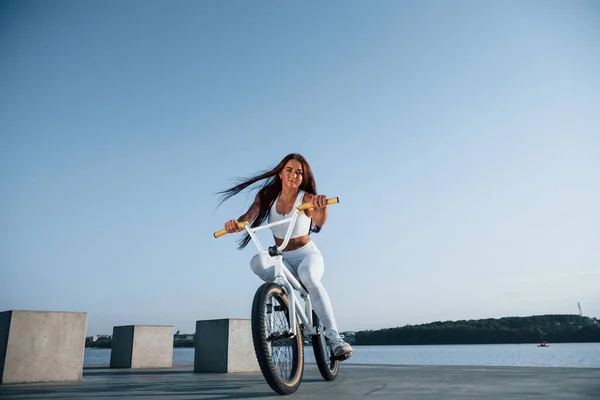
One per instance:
[(252, 211), (318, 212), (231, 225)]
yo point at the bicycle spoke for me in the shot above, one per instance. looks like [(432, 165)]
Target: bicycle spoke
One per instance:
[(277, 324)]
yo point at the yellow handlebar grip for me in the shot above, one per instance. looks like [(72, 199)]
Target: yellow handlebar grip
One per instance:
[(224, 232), (333, 200), (306, 206), (220, 233)]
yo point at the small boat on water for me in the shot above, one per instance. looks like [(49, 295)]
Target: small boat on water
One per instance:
[(543, 344)]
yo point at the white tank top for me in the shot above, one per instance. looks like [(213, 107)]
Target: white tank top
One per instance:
[(302, 223)]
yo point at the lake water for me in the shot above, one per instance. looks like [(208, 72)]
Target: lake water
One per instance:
[(574, 355)]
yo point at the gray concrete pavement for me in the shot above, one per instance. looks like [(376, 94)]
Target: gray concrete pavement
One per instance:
[(354, 382)]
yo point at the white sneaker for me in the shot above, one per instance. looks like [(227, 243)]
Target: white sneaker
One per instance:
[(341, 349)]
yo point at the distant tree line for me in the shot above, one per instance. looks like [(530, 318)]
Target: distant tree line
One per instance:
[(105, 342), (550, 328)]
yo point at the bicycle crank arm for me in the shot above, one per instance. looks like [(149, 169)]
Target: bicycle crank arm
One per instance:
[(280, 335)]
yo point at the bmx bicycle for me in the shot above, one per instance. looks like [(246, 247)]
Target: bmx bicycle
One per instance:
[(280, 323)]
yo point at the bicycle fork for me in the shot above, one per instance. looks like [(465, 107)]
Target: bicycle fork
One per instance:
[(288, 283), (292, 300)]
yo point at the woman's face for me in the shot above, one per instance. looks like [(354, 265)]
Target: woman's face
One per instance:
[(291, 175)]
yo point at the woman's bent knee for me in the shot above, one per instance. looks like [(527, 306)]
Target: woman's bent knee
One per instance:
[(263, 267)]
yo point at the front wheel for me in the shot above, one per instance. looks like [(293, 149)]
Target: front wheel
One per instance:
[(328, 367), (280, 357)]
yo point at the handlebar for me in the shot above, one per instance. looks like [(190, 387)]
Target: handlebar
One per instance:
[(222, 232), (306, 206), (300, 208)]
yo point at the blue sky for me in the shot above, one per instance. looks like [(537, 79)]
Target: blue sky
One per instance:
[(462, 138)]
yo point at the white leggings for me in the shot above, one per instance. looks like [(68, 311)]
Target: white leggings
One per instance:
[(306, 264)]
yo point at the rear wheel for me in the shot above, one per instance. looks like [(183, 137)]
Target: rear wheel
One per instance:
[(280, 357), (328, 367)]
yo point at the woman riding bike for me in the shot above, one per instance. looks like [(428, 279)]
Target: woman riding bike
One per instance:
[(288, 185)]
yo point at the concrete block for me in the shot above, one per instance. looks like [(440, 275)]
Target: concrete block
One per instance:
[(142, 346), (41, 346), (224, 345)]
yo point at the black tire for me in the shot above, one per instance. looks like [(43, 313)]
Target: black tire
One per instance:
[(327, 367), (263, 311)]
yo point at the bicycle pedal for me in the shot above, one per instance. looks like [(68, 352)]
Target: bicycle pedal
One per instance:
[(343, 357)]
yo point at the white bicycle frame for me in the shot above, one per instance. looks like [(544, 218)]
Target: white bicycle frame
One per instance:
[(286, 279)]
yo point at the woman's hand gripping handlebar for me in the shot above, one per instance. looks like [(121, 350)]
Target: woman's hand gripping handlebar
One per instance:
[(300, 208)]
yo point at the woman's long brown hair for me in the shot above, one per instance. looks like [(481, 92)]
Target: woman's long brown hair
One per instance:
[(270, 190)]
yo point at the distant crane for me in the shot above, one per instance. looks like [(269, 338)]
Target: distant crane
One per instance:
[(579, 306)]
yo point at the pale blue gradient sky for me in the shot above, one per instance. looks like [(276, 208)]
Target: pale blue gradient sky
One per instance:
[(463, 139)]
